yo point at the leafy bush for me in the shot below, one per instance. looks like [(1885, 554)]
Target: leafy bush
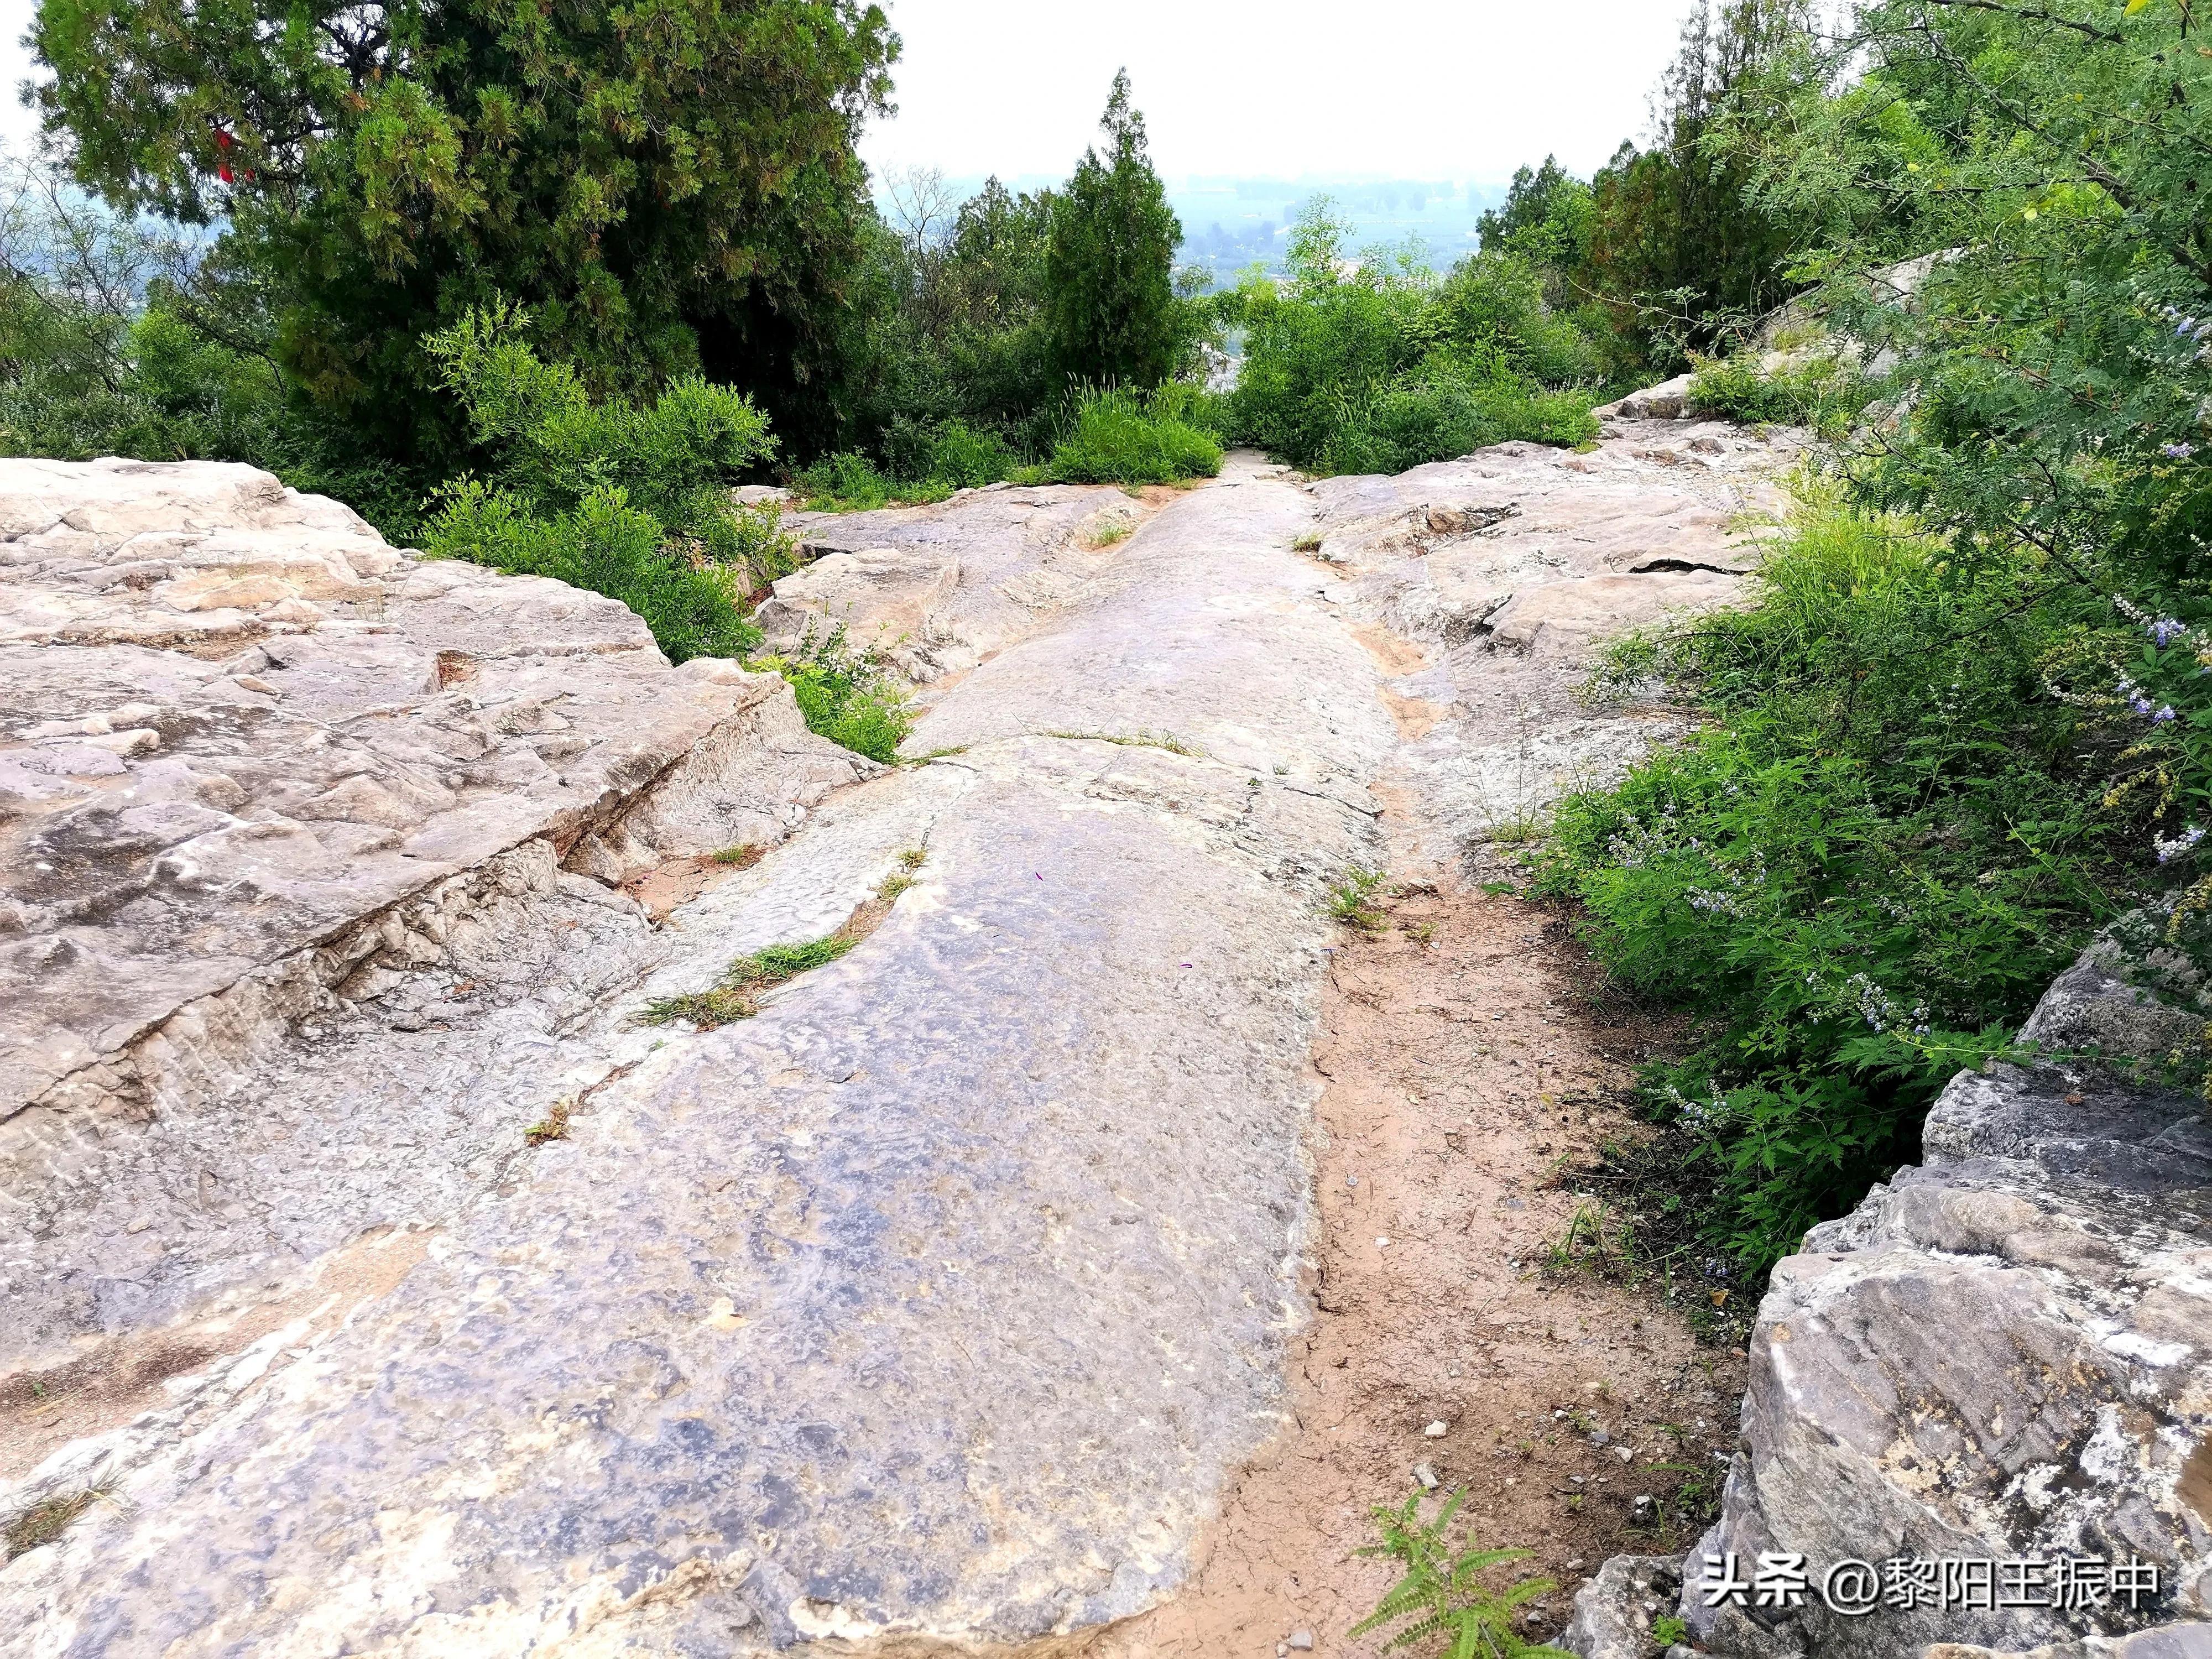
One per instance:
[(1128, 438), (1826, 393), (627, 499), (603, 545), (1861, 875), (667, 193), (845, 696), (1388, 366)]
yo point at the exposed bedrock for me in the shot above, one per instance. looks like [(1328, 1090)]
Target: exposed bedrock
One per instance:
[(1502, 576), (932, 1306), (2001, 1355), (308, 847)]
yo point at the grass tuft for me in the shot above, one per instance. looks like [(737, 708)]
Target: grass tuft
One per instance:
[(554, 1126), (1166, 741), (1351, 899), (46, 1522)]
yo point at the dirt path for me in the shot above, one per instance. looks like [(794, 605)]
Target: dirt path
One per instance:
[(1465, 1071)]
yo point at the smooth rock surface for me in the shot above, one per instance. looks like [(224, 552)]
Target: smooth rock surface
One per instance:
[(884, 600), (1506, 572), (1018, 556)]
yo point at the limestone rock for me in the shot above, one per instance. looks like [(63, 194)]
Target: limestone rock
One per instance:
[(1018, 557), (2180, 1641), (256, 766), (1507, 570), (2001, 1354), (1611, 1619), (931, 1310), (1668, 401), (885, 600)]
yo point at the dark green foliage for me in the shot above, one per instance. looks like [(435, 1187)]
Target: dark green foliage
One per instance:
[(952, 318), (1675, 241), (1864, 872), (1390, 365), (1441, 1607), (1545, 220), (1110, 304), (627, 499), (670, 188)]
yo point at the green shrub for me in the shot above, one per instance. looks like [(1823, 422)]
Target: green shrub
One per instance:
[(603, 545), (844, 482), (1126, 438), (1862, 874), (1826, 394), (845, 696), (627, 499), (1388, 366)]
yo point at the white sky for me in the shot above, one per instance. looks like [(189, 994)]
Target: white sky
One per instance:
[(1436, 89), (1463, 90)]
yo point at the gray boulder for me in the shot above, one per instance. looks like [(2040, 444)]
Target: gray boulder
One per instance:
[(2000, 1356)]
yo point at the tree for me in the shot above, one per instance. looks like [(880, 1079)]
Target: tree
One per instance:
[(1111, 299), (671, 186), (1672, 231), (1545, 217)]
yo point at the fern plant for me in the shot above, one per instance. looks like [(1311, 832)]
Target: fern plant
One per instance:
[(1441, 1607)]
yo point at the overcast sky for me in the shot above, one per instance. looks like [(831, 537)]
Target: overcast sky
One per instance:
[(1459, 89)]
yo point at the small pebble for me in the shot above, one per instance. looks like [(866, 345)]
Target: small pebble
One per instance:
[(1352, 1181), (1302, 1641), (1426, 1476), (1382, 1243), (1437, 1429)]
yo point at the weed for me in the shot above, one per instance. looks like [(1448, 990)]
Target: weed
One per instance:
[(934, 754), (1422, 932), (1166, 741), (1351, 899), (1440, 1604), (913, 858), (1112, 532), (743, 856), (1500, 889), (1669, 1630), (1594, 1239), (46, 1522), (1308, 541), (1695, 1502), (1120, 436), (735, 998), (554, 1126)]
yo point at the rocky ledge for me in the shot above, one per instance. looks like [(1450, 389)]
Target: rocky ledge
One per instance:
[(2002, 1355), (304, 844)]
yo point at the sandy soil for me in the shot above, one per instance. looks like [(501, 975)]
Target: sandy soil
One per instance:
[(1466, 1076)]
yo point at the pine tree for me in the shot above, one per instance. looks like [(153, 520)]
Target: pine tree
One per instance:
[(1111, 299)]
